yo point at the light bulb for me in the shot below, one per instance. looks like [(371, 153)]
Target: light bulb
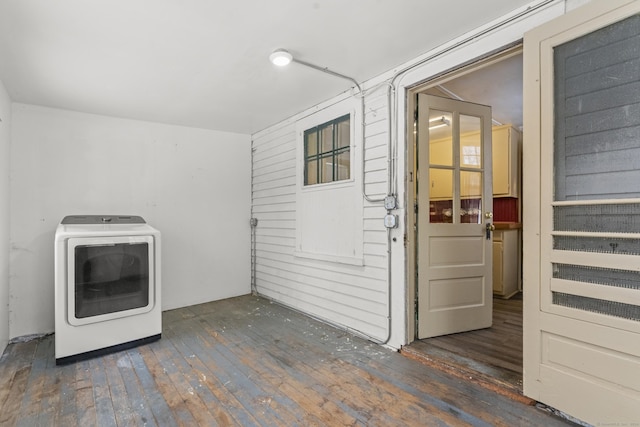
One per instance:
[(280, 57)]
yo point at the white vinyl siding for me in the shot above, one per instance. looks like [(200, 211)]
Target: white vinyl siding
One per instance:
[(346, 294)]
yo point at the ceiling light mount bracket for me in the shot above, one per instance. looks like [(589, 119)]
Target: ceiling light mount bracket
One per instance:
[(282, 57)]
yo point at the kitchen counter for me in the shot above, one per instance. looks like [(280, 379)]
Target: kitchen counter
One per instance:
[(508, 225)]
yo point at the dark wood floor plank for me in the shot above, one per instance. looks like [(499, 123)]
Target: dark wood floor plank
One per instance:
[(248, 362), (51, 402), (34, 392), (124, 411), (161, 411), (85, 404), (15, 369), (139, 402), (104, 405), (66, 405)]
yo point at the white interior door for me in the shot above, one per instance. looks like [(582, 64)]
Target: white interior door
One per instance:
[(582, 213), (454, 216)]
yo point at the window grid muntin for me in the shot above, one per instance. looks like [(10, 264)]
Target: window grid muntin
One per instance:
[(318, 154)]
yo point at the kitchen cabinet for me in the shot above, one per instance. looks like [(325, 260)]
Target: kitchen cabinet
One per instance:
[(506, 260), (506, 142)]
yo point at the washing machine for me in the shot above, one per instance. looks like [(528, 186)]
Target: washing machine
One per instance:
[(107, 285)]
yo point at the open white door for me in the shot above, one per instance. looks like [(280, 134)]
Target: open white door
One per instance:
[(582, 213), (454, 216)]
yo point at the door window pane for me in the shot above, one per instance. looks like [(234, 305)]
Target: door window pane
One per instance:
[(470, 142), (440, 138), (470, 184), (440, 195), (471, 197)]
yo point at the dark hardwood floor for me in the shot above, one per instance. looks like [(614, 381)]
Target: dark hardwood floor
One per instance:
[(249, 362), (492, 356)]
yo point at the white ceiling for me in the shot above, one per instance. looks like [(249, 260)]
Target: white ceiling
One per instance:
[(498, 85), (204, 63)]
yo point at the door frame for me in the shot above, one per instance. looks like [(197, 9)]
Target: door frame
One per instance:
[(412, 163)]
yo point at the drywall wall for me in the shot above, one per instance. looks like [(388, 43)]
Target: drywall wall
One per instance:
[(5, 139), (191, 184)]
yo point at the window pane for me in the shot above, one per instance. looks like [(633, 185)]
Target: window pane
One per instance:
[(470, 184), (440, 138), (312, 173), (344, 134), (326, 139), (470, 142), (440, 183), (470, 210), (311, 141), (326, 169), (343, 165)]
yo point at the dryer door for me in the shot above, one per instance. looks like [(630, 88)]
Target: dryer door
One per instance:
[(109, 278)]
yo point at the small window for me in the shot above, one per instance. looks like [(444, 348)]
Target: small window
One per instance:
[(327, 156)]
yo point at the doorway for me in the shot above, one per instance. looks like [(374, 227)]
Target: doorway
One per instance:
[(493, 354)]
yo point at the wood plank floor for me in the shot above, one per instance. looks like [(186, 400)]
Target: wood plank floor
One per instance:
[(248, 362), (493, 355)]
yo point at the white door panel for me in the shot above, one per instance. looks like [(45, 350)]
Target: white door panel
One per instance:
[(454, 193)]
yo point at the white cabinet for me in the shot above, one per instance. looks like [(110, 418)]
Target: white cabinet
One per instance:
[(506, 262), (506, 165)]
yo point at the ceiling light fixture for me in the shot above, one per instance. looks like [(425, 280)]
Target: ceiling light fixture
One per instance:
[(282, 57), (439, 122)]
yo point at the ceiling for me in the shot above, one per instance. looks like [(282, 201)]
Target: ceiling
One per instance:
[(498, 85), (204, 63)]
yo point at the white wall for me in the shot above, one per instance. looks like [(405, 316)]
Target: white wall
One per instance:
[(344, 292), (191, 184), (5, 139)]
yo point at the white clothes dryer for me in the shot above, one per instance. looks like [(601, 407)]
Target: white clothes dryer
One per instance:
[(107, 285)]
